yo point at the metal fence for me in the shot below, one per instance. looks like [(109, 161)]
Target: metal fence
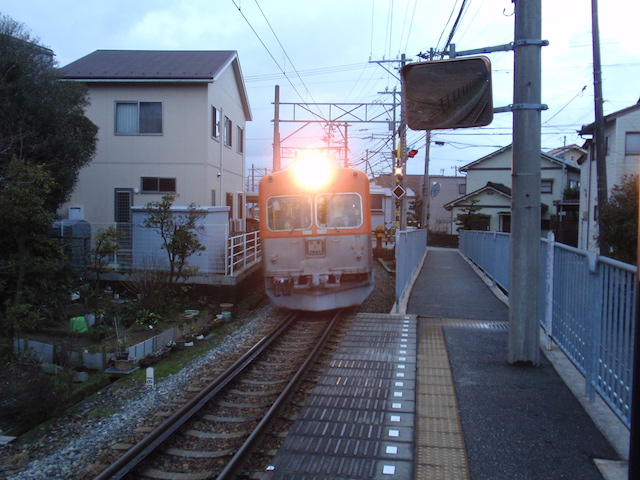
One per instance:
[(242, 250), (589, 309), (142, 249), (71, 354), (410, 248)]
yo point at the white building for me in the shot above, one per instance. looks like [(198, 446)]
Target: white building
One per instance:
[(169, 122), (622, 145), (488, 183)]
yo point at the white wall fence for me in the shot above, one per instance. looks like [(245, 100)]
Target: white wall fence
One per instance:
[(588, 308), (70, 355), (141, 248)]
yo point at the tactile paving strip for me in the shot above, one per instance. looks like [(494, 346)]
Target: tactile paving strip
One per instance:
[(359, 421), (440, 450)]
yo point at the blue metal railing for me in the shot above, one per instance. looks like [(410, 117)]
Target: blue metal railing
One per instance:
[(410, 248), (588, 309)]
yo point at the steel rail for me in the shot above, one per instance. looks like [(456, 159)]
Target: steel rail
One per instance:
[(149, 443), (254, 439)]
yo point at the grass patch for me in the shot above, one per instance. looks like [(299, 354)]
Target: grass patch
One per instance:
[(178, 359)]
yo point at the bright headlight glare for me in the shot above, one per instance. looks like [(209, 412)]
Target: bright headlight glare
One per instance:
[(314, 172)]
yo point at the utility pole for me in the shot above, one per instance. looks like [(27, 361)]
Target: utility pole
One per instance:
[(524, 290), (598, 127), (403, 156), (276, 131), (426, 183)]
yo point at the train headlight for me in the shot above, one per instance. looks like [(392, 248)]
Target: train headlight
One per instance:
[(314, 172)]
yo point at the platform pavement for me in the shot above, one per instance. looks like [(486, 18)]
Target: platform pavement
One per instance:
[(517, 422)]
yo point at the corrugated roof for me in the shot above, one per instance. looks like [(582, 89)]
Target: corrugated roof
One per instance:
[(149, 65)]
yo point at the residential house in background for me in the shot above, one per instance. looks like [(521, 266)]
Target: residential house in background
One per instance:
[(442, 190), (488, 183), (383, 202), (622, 146), (170, 122)]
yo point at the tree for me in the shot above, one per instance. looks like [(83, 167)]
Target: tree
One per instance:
[(470, 219), (31, 262), (107, 244), (179, 234), (45, 139), (619, 220), (415, 212), (41, 117)]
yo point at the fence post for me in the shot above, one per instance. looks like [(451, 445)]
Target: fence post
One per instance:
[(548, 305), (595, 329)]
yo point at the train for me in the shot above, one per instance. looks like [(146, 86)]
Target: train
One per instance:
[(315, 229)]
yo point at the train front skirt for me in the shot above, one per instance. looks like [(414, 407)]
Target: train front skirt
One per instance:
[(317, 295)]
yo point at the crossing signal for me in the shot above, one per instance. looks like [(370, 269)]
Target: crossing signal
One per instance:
[(412, 153), (398, 172)]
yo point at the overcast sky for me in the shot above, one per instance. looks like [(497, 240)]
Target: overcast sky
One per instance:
[(325, 51)]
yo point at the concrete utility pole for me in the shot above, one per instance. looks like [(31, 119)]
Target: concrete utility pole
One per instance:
[(403, 156), (276, 131), (598, 126), (426, 183), (524, 289)]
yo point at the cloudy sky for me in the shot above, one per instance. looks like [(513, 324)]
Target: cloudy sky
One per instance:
[(327, 51)]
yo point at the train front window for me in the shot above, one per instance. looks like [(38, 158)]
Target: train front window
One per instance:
[(288, 213), (339, 210)]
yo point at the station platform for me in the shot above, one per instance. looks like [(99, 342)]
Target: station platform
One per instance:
[(426, 393)]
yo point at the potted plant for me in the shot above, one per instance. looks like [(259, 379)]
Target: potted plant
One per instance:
[(189, 338), (121, 359)]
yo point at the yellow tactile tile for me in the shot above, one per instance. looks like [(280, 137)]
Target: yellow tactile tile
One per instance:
[(440, 451)]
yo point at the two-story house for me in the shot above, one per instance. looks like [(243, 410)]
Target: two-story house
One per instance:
[(169, 122), (622, 157), (488, 184)]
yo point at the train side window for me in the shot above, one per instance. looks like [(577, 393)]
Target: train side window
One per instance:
[(340, 210), (288, 213)]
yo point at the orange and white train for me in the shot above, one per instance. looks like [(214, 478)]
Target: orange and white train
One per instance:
[(315, 226)]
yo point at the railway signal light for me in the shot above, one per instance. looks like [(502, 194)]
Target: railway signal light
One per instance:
[(398, 173), (412, 153)]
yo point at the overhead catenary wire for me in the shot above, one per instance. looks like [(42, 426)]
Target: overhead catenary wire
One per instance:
[(268, 51)]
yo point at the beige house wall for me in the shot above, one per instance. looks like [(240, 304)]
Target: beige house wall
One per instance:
[(618, 165), (185, 150), (497, 169)]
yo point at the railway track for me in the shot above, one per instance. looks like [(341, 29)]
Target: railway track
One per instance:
[(216, 431)]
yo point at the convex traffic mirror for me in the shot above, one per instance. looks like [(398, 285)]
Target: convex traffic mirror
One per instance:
[(453, 93)]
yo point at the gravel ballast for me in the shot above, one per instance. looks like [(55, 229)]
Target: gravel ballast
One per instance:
[(70, 446)]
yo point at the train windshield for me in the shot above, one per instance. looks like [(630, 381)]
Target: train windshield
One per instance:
[(288, 213), (339, 210)]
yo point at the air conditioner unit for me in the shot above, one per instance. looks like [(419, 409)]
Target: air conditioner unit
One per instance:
[(76, 213)]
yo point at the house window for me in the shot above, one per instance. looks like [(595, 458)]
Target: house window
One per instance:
[(158, 185), (213, 198), (215, 123), (228, 125), (462, 189), (376, 202), (138, 118), (240, 139), (632, 143), (546, 186)]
